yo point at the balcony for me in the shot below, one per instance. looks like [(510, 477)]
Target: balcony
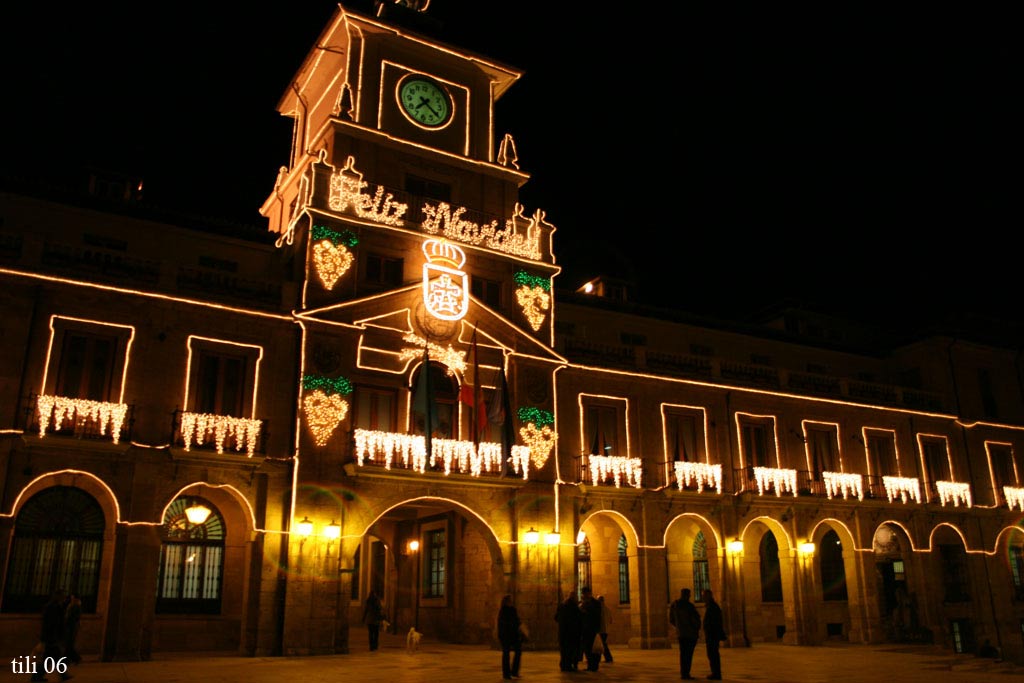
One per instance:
[(767, 479), (953, 492), (612, 469), (79, 418), (698, 476), (1014, 497), (100, 264), (220, 433), (904, 488), (389, 450)]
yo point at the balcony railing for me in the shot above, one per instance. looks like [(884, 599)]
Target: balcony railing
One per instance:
[(698, 476), (1014, 497), (612, 469), (106, 265), (220, 433), (79, 418)]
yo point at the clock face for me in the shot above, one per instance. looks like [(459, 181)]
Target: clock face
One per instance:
[(425, 102)]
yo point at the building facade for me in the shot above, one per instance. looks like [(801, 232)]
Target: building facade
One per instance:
[(226, 441)]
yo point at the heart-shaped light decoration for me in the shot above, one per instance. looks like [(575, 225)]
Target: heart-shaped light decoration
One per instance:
[(323, 414), (331, 261)]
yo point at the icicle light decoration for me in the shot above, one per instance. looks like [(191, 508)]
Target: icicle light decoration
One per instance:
[(903, 487), (779, 480), (409, 451), (199, 427), (954, 492), (60, 408), (1014, 497), (617, 467), (843, 484), (700, 474)]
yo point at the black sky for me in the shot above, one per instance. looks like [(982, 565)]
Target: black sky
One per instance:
[(861, 158)]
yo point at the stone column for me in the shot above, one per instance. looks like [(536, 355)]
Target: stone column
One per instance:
[(132, 604)]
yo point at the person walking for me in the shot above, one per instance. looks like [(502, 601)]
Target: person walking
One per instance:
[(686, 619), (373, 615), (606, 621), (570, 621), (72, 620), (51, 632), (511, 638), (590, 628), (714, 634)]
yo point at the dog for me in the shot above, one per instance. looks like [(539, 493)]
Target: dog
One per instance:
[(412, 641)]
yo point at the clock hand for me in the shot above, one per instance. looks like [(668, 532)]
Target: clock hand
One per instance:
[(425, 103)]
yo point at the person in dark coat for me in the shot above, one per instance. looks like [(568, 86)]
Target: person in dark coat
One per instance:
[(590, 628), (606, 622), (51, 633), (570, 623), (714, 634), (373, 614), (511, 638), (686, 619)]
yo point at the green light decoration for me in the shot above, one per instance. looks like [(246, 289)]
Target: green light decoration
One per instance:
[(537, 416), (346, 237), (523, 278), (328, 385)]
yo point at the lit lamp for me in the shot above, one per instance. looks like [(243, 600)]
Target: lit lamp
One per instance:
[(332, 531), (197, 513), (735, 547), (807, 548), (581, 536), (552, 537), (414, 546), (305, 527), (532, 536)]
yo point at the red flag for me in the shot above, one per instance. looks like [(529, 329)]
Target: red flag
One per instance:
[(473, 395)]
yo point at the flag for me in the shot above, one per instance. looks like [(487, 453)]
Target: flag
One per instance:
[(473, 394), (500, 414), (423, 402)]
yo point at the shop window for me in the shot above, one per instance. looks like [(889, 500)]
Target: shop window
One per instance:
[(58, 538), (623, 571), (191, 559), (437, 563)]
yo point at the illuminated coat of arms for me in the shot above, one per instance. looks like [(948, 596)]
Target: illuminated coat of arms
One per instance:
[(445, 285)]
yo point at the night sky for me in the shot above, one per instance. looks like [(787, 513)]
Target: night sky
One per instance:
[(861, 159)]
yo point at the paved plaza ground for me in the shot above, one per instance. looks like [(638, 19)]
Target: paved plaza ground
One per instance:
[(435, 662)]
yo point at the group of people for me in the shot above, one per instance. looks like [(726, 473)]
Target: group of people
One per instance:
[(61, 618), (684, 616), (583, 631)]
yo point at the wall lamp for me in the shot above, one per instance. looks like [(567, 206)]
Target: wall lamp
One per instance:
[(531, 536), (552, 537), (807, 548), (332, 532), (735, 547)]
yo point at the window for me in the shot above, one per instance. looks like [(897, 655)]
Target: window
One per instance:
[(771, 572), (374, 409), (602, 425), (633, 339), (354, 593), (437, 558), (87, 366), (424, 187), (487, 291), (220, 384), (58, 536), (701, 576), (384, 271), (439, 396), (681, 431), (582, 566), (954, 572), (191, 560), (988, 397), (1003, 470), (963, 635), (823, 448), (1017, 570), (833, 570), (936, 459), (882, 453), (754, 440), (623, 571)]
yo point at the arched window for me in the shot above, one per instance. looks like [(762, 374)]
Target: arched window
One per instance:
[(771, 573), (442, 390), (1017, 570), (582, 565), (833, 571), (191, 558), (58, 536), (623, 571), (701, 577)]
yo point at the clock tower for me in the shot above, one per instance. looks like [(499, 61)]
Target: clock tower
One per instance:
[(425, 319)]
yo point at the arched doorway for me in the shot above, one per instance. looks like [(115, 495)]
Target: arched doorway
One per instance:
[(898, 607), (767, 583), (438, 567), (836, 594), (606, 557)]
